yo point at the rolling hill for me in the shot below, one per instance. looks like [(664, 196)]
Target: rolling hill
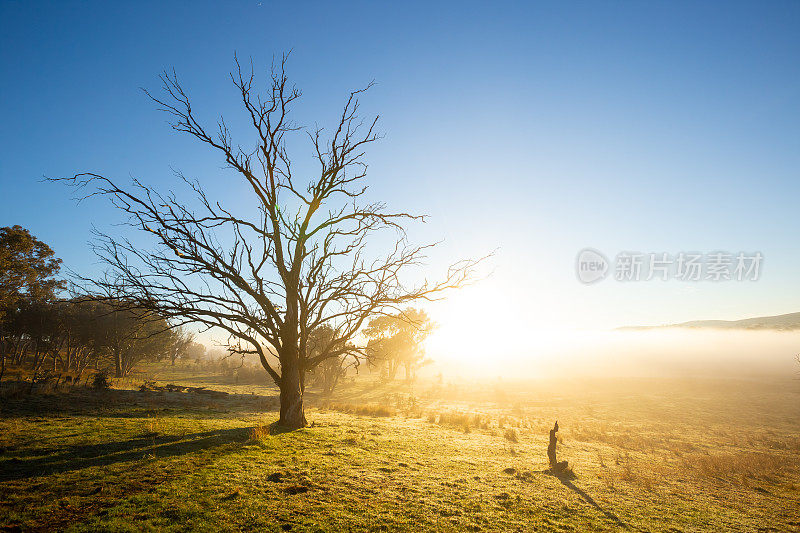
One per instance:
[(787, 322)]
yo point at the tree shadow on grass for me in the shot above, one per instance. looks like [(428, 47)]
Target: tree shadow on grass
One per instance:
[(566, 478), (374, 391), (121, 403), (148, 445)]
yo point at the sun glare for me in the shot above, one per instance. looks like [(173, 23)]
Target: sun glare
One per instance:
[(479, 325)]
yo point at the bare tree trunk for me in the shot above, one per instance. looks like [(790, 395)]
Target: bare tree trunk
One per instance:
[(35, 372), (37, 355), (117, 364), (19, 347), (292, 409)]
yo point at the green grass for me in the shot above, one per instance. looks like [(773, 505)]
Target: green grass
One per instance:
[(647, 455)]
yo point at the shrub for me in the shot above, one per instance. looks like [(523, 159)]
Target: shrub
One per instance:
[(101, 381)]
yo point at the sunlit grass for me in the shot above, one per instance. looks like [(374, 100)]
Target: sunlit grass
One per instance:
[(650, 455)]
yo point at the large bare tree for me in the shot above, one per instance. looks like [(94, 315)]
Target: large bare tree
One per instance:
[(268, 277)]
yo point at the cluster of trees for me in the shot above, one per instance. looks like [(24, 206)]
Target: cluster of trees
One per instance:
[(44, 332), (396, 340)]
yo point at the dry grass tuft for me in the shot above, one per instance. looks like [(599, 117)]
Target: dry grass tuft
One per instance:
[(511, 435), (737, 464), (363, 409), (465, 421), (259, 434), (14, 390)]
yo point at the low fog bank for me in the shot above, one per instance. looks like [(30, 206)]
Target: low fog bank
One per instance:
[(665, 352)]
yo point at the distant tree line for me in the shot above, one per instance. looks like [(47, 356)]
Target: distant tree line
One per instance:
[(42, 332)]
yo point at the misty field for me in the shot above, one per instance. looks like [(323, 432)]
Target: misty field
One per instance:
[(681, 455)]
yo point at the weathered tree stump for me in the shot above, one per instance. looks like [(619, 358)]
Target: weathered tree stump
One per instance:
[(555, 465)]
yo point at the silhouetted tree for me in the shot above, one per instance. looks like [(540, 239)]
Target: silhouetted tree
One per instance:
[(132, 335), (85, 338), (179, 344), (328, 373), (397, 340), (270, 277), (194, 350)]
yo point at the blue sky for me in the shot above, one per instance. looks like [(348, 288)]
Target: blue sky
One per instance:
[(536, 129)]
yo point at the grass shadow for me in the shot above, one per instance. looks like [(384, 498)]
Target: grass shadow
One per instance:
[(86, 456), (566, 478), (373, 391), (125, 403)]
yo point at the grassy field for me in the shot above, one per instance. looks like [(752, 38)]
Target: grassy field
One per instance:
[(647, 455)]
